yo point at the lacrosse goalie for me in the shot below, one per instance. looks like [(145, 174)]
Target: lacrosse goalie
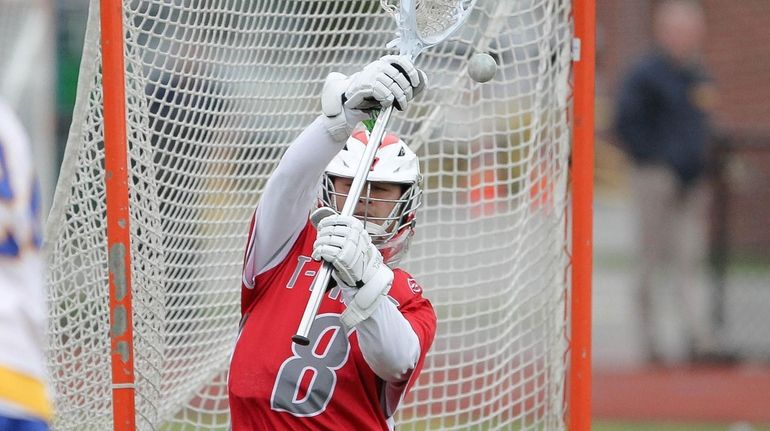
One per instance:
[(373, 328)]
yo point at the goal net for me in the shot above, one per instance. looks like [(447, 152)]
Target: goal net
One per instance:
[(215, 92)]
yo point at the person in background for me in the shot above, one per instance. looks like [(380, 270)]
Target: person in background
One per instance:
[(663, 125), (24, 399)]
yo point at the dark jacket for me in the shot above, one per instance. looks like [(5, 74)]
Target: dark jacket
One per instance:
[(658, 117)]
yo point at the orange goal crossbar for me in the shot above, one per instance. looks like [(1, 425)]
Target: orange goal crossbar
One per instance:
[(118, 232), (581, 176)]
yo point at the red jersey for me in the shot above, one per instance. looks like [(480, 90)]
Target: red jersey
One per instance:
[(275, 384)]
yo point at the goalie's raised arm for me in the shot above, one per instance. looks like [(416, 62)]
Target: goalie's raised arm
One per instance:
[(291, 189)]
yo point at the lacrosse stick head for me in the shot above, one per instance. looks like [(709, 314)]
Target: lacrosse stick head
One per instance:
[(424, 23)]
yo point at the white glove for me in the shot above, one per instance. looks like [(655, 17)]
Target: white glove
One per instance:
[(343, 242), (391, 79), (362, 303), (347, 100)]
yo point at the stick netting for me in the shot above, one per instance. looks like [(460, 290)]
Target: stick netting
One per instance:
[(433, 18), (216, 91)]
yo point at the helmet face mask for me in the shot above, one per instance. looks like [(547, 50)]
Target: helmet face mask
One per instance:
[(388, 213)]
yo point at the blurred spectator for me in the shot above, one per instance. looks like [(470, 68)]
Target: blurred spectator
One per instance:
[(662, 121), (24, 402)]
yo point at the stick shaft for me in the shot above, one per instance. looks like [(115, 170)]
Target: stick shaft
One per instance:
[(321, 280)]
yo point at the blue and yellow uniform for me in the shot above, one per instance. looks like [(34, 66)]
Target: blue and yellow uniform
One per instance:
[(24, 399)]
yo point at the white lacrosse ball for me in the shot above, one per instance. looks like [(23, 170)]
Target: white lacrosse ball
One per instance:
[(482, 67)]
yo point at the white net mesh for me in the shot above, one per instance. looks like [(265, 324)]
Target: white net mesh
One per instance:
[(215, 94)]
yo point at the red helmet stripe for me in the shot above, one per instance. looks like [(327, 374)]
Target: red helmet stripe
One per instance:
[(361, 136), (389, 138)]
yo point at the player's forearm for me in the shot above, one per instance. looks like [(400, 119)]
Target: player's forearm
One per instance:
[(311, 151), (290, 193), (388, 343), (299, 171)]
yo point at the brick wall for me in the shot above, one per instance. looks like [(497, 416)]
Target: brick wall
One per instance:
[(737, 53), (739, 56), (742, 196)]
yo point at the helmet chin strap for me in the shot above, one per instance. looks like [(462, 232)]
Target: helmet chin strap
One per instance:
[(375, 230), (379, 231)]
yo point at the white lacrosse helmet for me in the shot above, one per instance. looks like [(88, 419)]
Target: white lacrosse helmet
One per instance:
[(394, 162)]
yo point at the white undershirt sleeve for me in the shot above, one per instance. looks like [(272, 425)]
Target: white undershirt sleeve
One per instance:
[(289, 196), (388, 343)]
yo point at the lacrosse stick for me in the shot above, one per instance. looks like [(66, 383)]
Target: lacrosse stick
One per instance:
[(421, 24)]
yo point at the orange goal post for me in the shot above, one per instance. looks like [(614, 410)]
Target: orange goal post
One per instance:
[(183, 111)]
